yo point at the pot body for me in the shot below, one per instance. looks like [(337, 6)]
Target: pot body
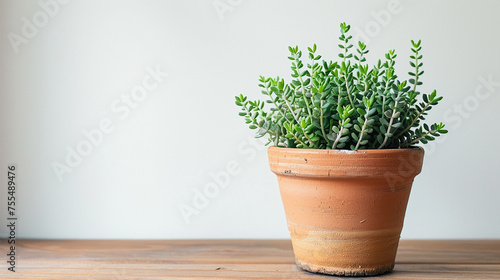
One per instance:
[(345, 209)]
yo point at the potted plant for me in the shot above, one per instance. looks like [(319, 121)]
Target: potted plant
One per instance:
[(344, 137)]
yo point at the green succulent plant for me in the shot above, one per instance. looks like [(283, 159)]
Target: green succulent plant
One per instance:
[(344, 104)]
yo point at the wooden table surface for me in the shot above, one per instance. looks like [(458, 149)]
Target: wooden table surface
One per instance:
[(231, 259)]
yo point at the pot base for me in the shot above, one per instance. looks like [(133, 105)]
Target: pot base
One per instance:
[(342, 271)]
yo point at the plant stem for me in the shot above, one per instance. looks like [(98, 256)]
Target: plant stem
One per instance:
[(290, 107), (305, 134), (414, 91), (300, 141), (341, 131), (321, 121), (348, 91), (416, 72), (254, 121), (345, 77), (414, 120), (339, 97), (416, 140), (361, 134), (304, 96), (388, 131), (277, 107), (297, 62), (389, 127)]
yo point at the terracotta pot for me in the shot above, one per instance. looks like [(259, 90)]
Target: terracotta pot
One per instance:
[(345, 209)]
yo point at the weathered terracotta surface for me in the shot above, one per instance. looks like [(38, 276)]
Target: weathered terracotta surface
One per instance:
[(345, 209)]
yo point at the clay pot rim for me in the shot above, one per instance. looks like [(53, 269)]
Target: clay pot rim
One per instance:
[(347, 152), (319, 163)]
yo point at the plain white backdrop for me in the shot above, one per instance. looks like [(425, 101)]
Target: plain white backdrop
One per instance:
[(120, 115)]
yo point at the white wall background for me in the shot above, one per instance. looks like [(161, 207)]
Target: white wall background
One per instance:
[(72, 67)]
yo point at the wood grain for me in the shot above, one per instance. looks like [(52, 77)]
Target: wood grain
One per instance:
[(232, 259)]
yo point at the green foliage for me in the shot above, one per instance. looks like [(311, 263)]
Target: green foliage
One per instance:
[(344, 104)]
